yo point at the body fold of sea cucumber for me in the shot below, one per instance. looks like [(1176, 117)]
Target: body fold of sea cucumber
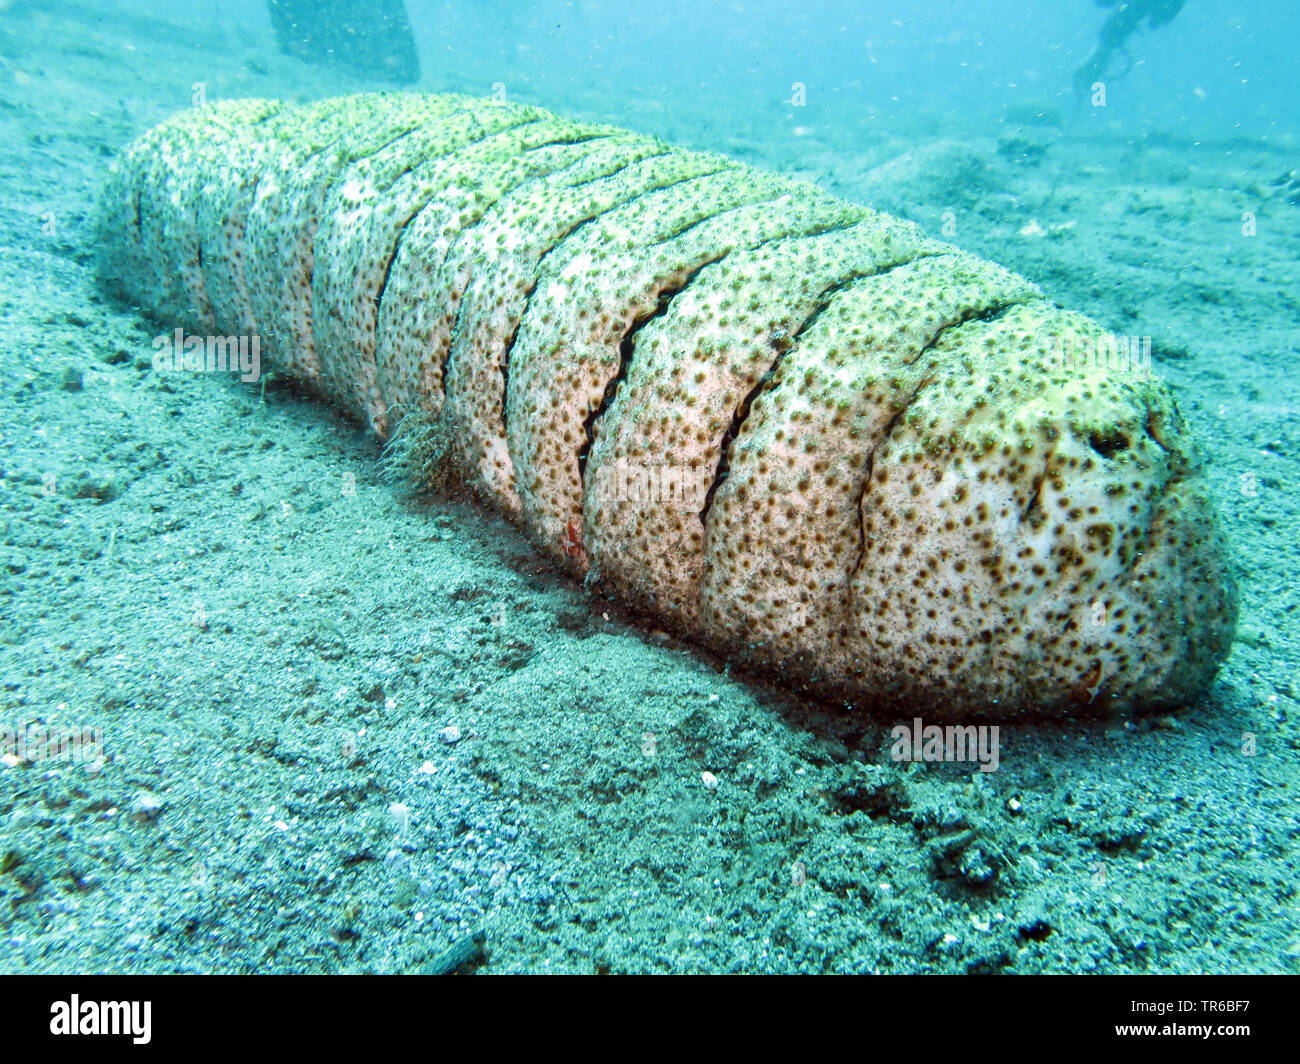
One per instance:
[(794, 429)]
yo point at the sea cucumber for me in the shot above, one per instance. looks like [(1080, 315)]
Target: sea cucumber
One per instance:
[(795, 430)]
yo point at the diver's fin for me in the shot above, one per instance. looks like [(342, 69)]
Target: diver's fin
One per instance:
[(368, 37)]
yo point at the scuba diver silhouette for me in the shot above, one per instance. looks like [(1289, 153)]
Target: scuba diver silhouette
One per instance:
[(371, 38), (1119, 27)]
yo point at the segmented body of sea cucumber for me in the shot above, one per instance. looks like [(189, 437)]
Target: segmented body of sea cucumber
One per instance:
[(791, 428)]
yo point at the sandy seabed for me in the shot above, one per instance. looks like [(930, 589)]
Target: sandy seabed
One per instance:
[(350, 730)]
